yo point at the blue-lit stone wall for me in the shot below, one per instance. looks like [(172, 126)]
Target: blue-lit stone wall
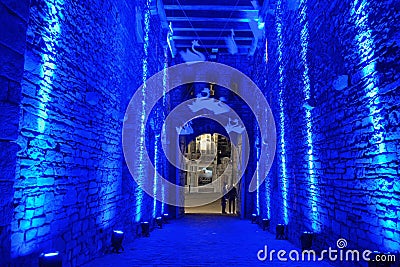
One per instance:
[(13, 23), (83, 62), (148, 65), (337, 162)]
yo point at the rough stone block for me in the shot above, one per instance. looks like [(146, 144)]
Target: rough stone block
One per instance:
[(9, 121), (391, 245), (384, 158), (24, 225), (14, 92), (44, 230), (390, 87), (21, 7), (29, 214), (37, 222), (30, 203), (45, 181), (13, 37), (17, 238), (49, 216), (39, 211), (11, 63), (341, 82), (30, 235), (3, 89), (92, 98)]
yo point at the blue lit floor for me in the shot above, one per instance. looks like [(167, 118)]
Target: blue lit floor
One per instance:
[(201, 240)]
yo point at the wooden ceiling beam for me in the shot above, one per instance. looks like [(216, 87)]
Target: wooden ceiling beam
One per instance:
[(209, 19), (194, 37), (249, 9), (211, 46), (178, 29)]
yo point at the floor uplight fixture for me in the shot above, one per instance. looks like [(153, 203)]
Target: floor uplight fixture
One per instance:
[(253, 218), (159, 222), (116, 241), (281, 231), (51, 259), (165, 217), (265, 224), (306, 240), (145, 229)]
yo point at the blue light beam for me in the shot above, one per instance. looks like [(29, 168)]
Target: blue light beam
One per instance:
[(164, 101), (51, 34), (312, 175), (284, 178), (139, 192)]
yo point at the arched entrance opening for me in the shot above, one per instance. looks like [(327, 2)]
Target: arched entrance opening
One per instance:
[(212, 171)]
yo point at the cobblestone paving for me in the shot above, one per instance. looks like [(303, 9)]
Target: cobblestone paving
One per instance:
[(201, 240)]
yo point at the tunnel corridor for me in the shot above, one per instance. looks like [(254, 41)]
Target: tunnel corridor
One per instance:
[(129, 122)]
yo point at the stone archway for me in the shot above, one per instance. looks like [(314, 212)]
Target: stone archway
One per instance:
[(212, 164)]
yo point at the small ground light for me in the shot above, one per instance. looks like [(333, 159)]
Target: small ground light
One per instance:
[(165, 217), (306, 240), (280, 231), (253, 218), (265, 224), (159, 222), (145, 229), (116, 241), (52, 259)]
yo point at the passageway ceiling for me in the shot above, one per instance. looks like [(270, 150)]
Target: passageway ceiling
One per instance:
[(210, 22)]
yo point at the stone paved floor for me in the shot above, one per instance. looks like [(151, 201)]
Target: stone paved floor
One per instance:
[(201, 240)]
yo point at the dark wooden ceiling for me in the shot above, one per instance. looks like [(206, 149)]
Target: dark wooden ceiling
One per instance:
[(210, 22)]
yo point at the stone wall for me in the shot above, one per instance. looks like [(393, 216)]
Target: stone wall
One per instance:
[(83, 62), (13, 21), (336, 170), (331, 79)]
